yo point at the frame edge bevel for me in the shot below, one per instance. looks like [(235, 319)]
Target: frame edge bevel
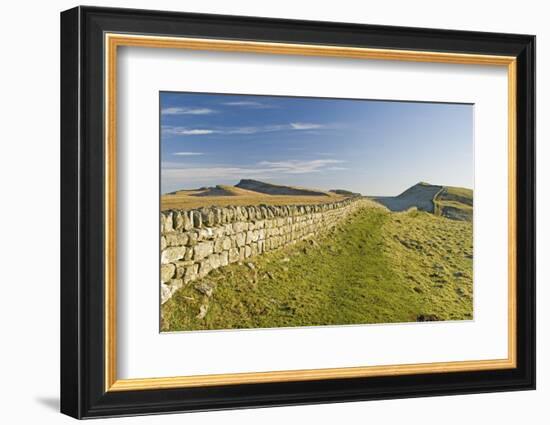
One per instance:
[(70, 349)]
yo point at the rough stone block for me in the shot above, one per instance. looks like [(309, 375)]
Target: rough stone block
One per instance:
[(175, 284), (224, 258), (167, 271), (228, 229), (241, 239), (197, 219), (190, 274), (205, 268), (240, 227), (168, 225), (177, 220), (172, 254), (208, 218), (205, 233), (176, 239), (226, 243), (215, 261), (165, 293), (233, 255), (218, 245), (218, 232), (180, 268), (189, 253), (249, 237), (187, 220), (203, 250), (193, 238)]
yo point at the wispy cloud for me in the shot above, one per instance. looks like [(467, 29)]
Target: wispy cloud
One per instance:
[(299, 166), (306, 126), (301, 127), (249, 104), (183, 131), (176, 173), (188, 153), (187, 111)]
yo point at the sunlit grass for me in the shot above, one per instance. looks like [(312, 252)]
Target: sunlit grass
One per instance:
[(239, 197), (377, 267)]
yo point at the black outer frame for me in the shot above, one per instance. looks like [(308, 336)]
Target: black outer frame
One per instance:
[(82, 212)]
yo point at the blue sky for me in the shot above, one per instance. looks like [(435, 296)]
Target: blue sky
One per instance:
[(369, 146)]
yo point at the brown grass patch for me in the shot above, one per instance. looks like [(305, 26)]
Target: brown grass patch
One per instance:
[(189, 200)]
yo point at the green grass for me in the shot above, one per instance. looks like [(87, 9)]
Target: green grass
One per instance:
[(460, 194), (379, 267), (455, 203)]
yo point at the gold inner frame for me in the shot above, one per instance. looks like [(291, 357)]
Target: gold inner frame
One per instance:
[(113, 41)]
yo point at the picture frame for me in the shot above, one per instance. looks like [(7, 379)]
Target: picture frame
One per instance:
[(90, 40)]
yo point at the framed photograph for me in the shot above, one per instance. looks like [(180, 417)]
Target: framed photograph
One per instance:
[(261, 212)]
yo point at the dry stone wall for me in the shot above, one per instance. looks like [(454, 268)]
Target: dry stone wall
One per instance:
[(195, 242)]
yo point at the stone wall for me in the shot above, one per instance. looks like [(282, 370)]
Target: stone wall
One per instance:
[(195, 242)]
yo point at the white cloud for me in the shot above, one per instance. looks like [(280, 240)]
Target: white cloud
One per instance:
[(188, 153), (187, 111), (185, 131), (298, 166), (305, 126), (175, 173), (249, 104), (242, 103)]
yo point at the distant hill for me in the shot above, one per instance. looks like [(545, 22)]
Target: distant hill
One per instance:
[(246, 192), (447, 201), (274, 189), (420, 196), (344, 192), (451, 202), (214, 191), (455, 203)]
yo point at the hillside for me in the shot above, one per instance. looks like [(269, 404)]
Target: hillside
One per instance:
[(274, 189), (344, 192), (246, 192), (218, 190), (420, 196), (451, 202), (455, 203)]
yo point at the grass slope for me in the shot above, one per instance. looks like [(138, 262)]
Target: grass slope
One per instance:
[(419, 196), (379, 267), (451, 202), (277, 189), (455, 203)]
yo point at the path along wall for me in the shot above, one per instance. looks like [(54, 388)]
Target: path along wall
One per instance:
[(195, 242)]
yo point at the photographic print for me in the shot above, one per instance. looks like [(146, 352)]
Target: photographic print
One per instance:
[(324, 189), (281, 211)]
